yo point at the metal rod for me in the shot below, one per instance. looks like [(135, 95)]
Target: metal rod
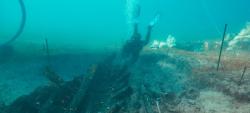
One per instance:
[(242, 75), (47, 51), (221, 47)]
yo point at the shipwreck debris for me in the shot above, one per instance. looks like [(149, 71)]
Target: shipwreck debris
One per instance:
[(53, 77)]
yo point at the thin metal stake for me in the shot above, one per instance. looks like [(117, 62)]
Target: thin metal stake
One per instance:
[(47, 51), (242, 75), (221, 47)]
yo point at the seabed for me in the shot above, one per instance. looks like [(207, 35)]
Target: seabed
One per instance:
[(165, 80)]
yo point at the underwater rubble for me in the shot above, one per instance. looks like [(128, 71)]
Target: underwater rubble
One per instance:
[(161, 81)]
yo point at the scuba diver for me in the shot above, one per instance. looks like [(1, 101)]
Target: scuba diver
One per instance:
[(5, 48), (135, 44)]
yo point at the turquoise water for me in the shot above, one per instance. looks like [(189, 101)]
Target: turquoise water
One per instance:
[(84, 56), (98, 24)]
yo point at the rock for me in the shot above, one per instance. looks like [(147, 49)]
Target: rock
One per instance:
[(242, 40)]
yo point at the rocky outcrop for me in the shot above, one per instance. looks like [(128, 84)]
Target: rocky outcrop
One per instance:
[(242, 40)]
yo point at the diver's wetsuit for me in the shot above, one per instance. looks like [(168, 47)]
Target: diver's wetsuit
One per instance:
[(133, 46)]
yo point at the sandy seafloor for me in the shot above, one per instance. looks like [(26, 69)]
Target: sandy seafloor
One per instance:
[(218, 92)]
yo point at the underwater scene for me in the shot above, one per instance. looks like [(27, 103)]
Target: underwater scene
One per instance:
[(124, 56)]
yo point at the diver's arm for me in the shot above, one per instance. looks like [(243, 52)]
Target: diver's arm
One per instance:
[(150, 26), (148, 35)]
